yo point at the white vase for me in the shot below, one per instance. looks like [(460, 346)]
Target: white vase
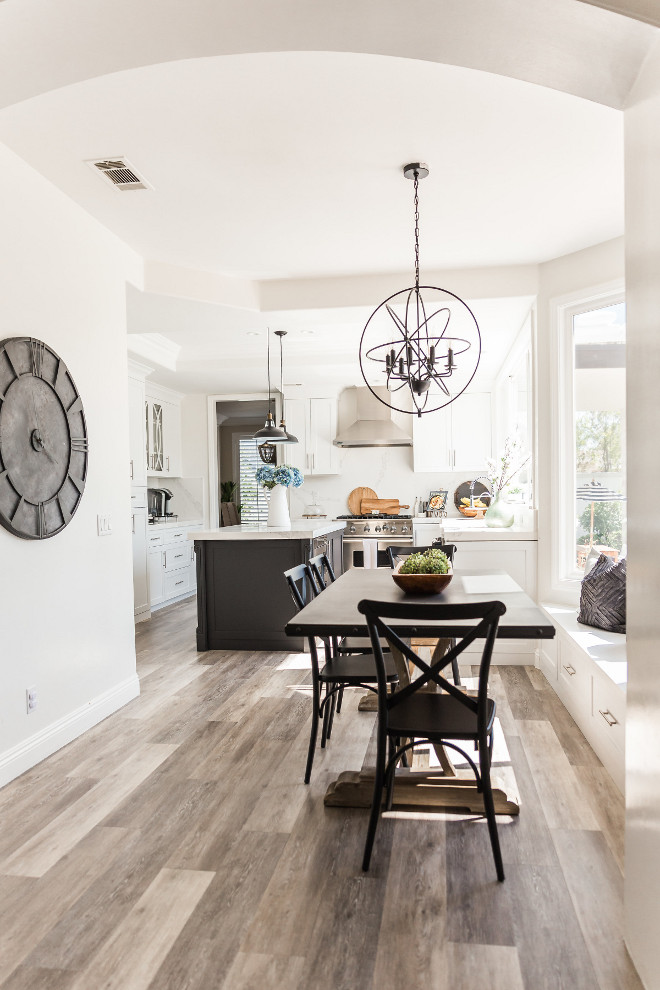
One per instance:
[(278, 508)]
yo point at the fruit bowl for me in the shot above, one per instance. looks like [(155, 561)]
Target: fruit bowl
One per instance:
[(421, 584), (474, 512)]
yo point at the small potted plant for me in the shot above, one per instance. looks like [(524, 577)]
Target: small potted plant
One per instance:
[(277, 478), (426, 573)]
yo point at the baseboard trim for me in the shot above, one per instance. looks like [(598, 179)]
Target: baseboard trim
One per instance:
[(24, 756)]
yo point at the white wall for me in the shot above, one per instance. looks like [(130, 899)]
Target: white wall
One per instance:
[(388, 471), (194, 443), (67, 602), (642, 885)]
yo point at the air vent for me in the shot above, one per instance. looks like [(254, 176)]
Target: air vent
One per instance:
[(119, 173)]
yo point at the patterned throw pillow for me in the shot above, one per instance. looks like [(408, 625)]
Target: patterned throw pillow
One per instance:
[(603, 596)]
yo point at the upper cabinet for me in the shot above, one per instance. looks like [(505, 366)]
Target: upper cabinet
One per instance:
[(314, 422), (162, 430), (456, 438), (137, 437)]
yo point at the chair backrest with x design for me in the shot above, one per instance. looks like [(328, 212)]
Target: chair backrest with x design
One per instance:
[(426, 619), (322, 570)]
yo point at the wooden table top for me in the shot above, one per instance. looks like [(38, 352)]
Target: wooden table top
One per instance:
[(334, 612)]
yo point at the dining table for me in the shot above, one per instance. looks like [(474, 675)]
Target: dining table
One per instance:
[(334, 613)]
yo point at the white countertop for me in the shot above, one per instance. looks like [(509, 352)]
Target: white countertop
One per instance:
[(300, 529), (472, 530), (177, 524)]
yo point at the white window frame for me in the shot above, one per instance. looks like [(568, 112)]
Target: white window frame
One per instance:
[(566, 577)]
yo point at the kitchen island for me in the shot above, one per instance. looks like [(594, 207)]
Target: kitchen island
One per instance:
[(243, 602)]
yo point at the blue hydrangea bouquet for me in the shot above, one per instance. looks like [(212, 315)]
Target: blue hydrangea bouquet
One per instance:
[(269, 475)]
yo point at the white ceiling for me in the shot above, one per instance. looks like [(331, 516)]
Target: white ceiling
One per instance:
[(281, 157), (289, 165), (221, 347)]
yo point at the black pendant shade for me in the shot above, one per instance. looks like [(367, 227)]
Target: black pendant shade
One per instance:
[(289, 436), (270, 433)]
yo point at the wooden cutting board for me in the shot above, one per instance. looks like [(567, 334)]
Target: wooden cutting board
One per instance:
[(389, 505), (355, 499)]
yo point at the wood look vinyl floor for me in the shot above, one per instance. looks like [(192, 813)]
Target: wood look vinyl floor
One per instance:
[(175, 847)]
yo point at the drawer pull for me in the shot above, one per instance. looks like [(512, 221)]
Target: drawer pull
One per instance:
[(178, 534), (152, 539), (570, 671), (177, 555), (609, 717), (176, 583)]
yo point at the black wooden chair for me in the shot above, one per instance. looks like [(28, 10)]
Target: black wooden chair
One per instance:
[(338, 671), (413, 715), (324, 575), (449, 549)]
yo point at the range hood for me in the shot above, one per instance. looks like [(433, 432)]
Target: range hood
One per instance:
[(373, 426)]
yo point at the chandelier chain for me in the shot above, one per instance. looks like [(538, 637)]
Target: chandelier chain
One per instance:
[(416, 173)]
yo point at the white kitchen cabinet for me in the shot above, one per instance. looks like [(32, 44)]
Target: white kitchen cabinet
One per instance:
[(590, 678), (136, 428), (172, 570), (314, 422), (162, 424), (456, 438), (142, 609)]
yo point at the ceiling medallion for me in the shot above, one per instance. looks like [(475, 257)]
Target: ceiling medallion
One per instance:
[(416, 335)]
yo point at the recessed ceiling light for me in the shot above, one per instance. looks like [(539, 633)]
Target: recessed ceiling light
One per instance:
[(308, 333), (253, 333)]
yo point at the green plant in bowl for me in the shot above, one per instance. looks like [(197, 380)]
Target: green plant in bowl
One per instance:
[(432, 561), (426, 573)]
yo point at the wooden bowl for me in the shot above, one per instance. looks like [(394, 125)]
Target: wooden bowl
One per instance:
[(421, 584), (474, 513)]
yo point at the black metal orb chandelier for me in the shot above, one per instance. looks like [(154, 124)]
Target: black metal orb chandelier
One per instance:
[(425, 339)]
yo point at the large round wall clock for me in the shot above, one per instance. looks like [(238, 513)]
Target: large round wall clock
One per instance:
[(43, 440)]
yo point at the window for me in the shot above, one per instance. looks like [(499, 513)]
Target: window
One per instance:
[(589, 470), (252, 497), (599, 411)]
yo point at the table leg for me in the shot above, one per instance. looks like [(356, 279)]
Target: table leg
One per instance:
[(441, 788)]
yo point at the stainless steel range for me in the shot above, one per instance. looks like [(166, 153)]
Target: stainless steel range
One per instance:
[(384, 530)]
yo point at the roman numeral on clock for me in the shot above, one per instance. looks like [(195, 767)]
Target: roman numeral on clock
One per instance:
[(66, 515), (43, 529), (37, 350), (80, 443)]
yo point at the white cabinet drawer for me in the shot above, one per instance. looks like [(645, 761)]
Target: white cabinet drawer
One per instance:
[(177, 583), (154, 539), (176, 557), (609, 711), (176, 535), (573, 680)]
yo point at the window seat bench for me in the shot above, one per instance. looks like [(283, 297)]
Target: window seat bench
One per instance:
[(588, 669)]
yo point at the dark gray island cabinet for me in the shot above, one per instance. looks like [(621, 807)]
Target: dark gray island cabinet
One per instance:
[(243, 601)]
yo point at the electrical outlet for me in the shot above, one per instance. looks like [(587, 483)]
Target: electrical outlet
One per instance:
[(103, 525), (31, 700)]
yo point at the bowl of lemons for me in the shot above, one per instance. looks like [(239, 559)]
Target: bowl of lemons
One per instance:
[(475, 511)]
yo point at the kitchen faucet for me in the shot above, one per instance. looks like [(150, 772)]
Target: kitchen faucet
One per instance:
[(485, 494)]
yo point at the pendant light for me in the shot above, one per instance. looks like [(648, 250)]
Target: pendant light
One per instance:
[(270, 434), (289, 436), (407, 339)]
